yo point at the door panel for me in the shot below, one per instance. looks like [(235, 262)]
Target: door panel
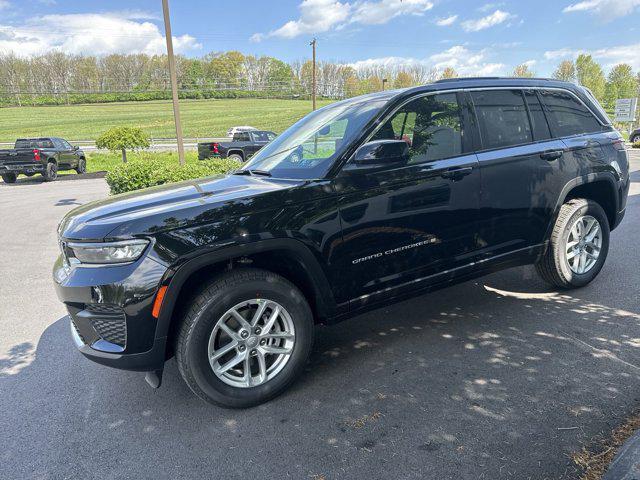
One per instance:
[(406, 223), (523, 170), (520, 187)]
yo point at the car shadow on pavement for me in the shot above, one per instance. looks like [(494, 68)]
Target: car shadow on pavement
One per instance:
[(500, 375)]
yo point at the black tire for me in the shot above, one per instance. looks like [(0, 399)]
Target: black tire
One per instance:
[(82, 166), (236, 156), (553, 266), (9, 177), (50, 172), (209, 305)]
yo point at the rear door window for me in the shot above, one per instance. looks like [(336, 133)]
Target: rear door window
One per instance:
[(502, 117), (567, 115), (538, 120)]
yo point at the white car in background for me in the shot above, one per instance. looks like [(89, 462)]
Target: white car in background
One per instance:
[(233, 130)]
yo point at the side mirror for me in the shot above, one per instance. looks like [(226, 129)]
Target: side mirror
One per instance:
[(324, 131), (76, 148), (381, 153)]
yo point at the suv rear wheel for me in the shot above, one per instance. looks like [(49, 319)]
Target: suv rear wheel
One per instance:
[(9, 177), (245, 338), (236, 157), (578, 246), (51, 172)]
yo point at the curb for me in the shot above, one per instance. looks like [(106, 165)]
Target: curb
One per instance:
[(61, 178)]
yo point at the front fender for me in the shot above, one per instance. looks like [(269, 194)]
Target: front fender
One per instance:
[(176, 277)]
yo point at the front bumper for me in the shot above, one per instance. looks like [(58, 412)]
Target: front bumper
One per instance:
[(110, 312)]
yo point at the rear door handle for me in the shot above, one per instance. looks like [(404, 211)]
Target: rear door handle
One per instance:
[(456, 173), (551, 155)]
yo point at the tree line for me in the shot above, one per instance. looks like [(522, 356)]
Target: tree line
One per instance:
[(59, 78)]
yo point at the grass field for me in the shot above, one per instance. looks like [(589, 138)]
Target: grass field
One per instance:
[(200, 118)]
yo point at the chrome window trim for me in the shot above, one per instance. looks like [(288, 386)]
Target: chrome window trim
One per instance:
[(479, 89), (520, 88)]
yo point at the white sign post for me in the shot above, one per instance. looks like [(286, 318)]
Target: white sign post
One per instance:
[(626, 111)]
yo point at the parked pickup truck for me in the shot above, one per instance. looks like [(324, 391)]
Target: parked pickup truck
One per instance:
[(241, 147), (45, 156)]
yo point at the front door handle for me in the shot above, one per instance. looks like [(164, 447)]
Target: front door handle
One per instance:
[(551, 155), (456, 173)]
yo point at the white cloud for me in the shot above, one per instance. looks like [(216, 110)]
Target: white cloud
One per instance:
[(376, 13), (90, 34), (605, 9), (608, 57), (447, 21), (4, 4), (490, 6), (496, 18), (560, 53), (465, 61), (317, 16), (460, 58)]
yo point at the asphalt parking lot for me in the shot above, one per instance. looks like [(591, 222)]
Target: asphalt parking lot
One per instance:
[(495, 378)]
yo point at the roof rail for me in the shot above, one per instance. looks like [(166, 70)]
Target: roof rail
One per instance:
[(457, 79)]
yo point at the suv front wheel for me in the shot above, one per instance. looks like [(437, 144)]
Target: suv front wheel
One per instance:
[(578, 245), (245, 338)]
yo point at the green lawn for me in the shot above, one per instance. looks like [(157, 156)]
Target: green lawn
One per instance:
[(200, 118)]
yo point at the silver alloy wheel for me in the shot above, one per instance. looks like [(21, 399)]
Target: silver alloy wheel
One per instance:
[(583, 244), (251, 343)]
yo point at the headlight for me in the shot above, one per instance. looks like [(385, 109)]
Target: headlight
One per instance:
[(105, 253)]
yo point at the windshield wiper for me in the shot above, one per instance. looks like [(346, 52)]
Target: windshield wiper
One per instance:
[(262, 173)]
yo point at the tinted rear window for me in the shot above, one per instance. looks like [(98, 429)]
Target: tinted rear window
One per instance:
[(502, 118), (262, 136), (567, 115), (538, 121), (34, 143)]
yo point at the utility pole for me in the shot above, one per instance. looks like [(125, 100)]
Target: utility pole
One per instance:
[(174, 80), (313, 81)]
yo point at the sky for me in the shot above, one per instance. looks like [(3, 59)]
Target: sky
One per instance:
[(473, 37)]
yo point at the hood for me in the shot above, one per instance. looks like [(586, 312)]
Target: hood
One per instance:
[(177, 205)]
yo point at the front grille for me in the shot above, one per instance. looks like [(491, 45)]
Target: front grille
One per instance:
[(112, 330), (103, 308), (109, 322)]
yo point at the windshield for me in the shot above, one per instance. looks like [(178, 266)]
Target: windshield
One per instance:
[(310, 146)]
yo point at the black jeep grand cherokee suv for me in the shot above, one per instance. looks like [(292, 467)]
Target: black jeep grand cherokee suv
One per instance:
[(361, 203)]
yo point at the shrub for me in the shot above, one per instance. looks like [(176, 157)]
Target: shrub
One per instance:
[(636, 144), (149, 172), (123, 139)]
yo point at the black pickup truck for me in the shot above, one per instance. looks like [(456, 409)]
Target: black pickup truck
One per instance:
[(242, 146), (40, 155)]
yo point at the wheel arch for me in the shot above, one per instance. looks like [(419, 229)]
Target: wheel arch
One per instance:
[(600, 188), (235, 152), (286, 257)]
